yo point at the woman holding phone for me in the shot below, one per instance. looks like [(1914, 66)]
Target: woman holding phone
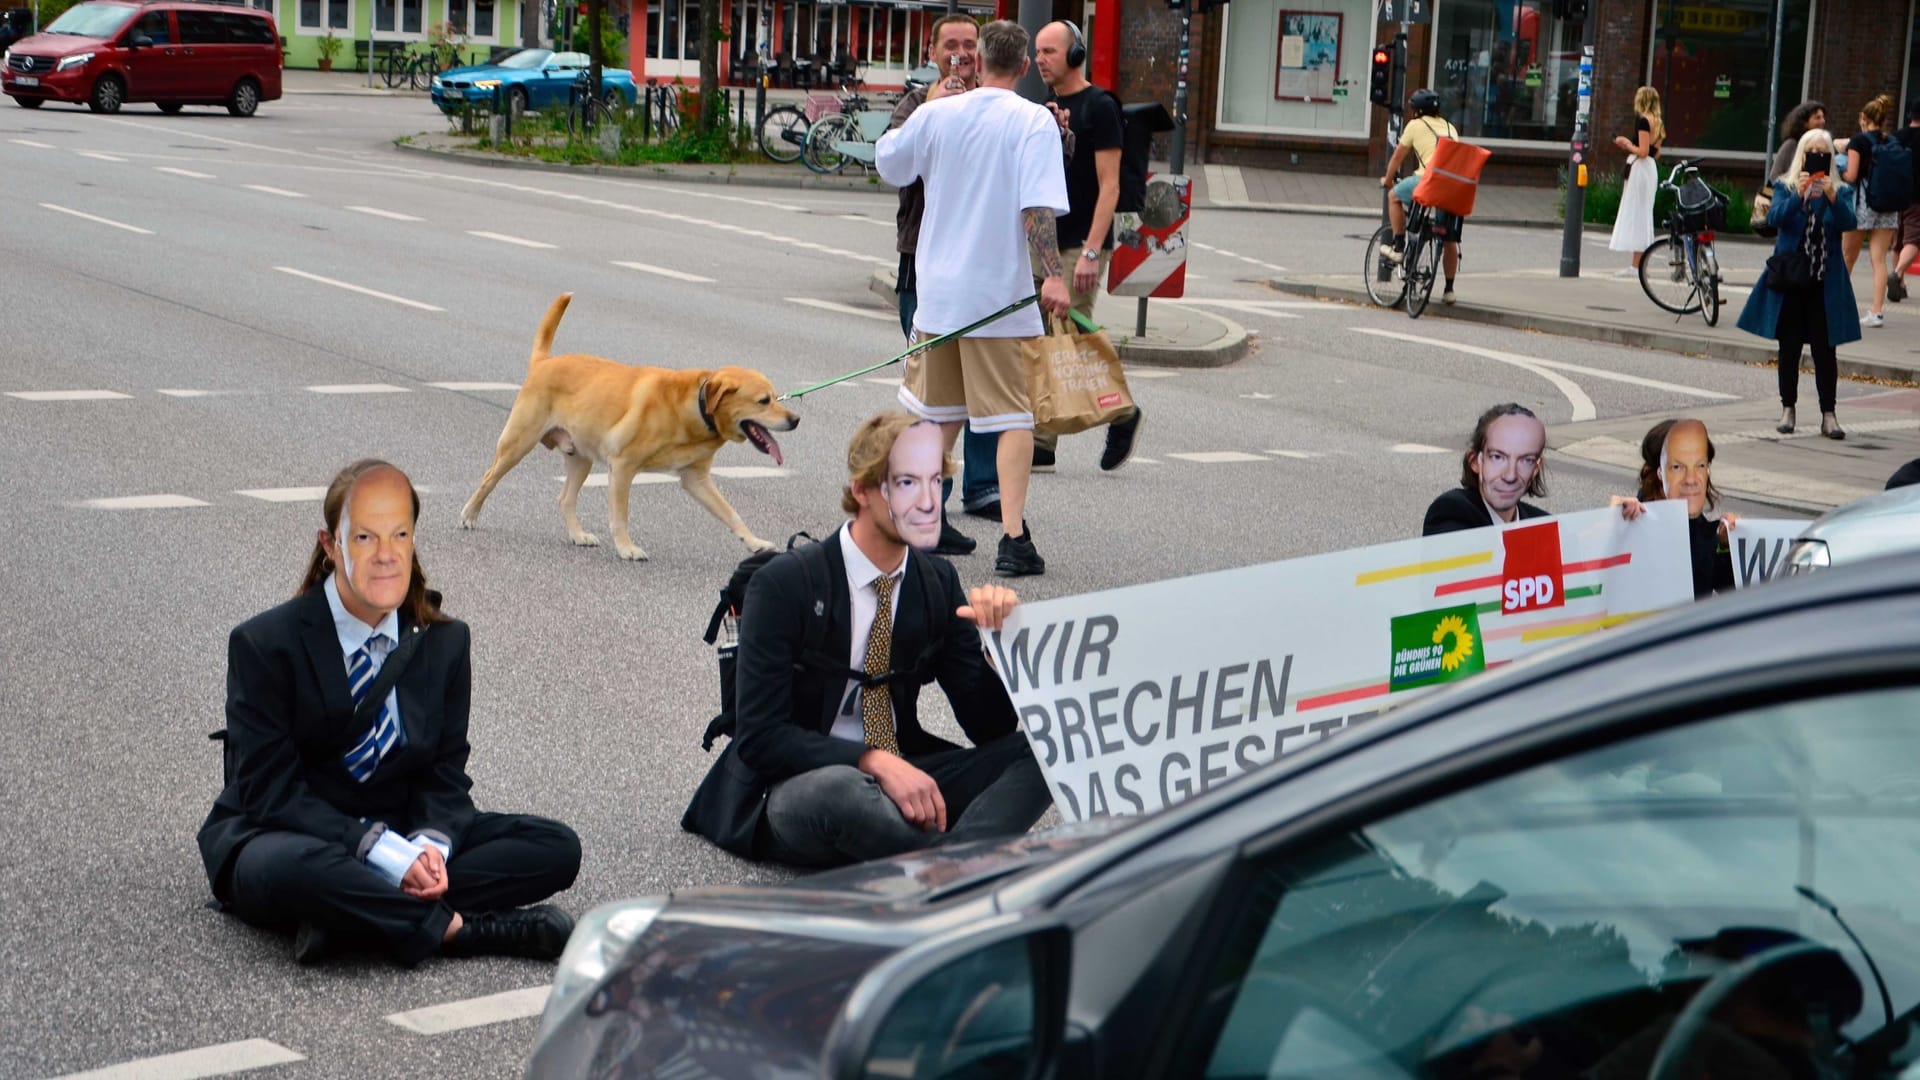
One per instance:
[(1804, 297)]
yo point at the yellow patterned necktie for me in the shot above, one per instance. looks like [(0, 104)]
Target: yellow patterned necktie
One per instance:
[(876, 708)]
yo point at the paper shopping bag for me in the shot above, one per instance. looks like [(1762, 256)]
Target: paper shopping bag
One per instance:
[(1076, 381)]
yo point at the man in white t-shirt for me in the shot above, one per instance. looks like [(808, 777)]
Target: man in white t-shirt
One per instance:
[(995, 177)]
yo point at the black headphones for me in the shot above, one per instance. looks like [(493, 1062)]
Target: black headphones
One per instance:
[(1076, 52)]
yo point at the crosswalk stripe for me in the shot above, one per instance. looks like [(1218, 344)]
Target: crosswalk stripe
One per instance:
[(144, 502), (67, 395), (357, 388), (473, 1012), (222, 1060), (285, 494)]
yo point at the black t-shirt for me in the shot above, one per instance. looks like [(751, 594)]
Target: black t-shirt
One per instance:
[(1094, 118), (1861, 147), (1640, 124)]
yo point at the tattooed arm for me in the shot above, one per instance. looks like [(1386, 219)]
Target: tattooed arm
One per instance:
[(1043, 243)]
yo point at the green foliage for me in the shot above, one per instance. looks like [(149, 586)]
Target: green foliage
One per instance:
[(544, 137), (613, 44), (1602, 203)]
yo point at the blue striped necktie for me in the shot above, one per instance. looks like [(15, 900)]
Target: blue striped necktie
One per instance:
[(385, 734)]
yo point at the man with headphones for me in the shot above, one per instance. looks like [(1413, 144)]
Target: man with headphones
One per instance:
[(1421, 135), (1091, 117)]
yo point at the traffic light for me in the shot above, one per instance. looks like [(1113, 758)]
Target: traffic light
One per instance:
[(1380, 79)]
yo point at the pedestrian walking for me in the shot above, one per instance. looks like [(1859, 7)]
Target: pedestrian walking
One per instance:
[(1875, 229), (1633, 224), (1804, 297), (1803, 118), (1908, 137), (1676, 461)]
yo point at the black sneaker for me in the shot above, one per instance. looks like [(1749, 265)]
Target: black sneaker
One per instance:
[(1120, 436), (309, 944), (1017, 558), (989, 511), (953, 541), (537, 933), (1042, 459)]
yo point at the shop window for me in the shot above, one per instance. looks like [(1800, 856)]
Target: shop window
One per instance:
[(409, 16), (1712, 61), (1296, 66), (1507, 69)]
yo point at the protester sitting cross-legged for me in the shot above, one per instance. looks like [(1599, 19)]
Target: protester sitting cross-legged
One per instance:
[(828, 763), (1503, 462), (1676, 457), (346, 817)]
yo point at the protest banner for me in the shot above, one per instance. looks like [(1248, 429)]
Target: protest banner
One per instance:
[(1760, 548), (1139, 697)]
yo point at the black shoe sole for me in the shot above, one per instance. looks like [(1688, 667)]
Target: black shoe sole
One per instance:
[(989, 512), (1020, 570), (956, 549), (1132, 428), (309, 944)]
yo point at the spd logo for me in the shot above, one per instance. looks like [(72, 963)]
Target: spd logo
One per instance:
[(1531, 577)]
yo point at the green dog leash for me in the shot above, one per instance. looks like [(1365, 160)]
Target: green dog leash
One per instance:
[(921, 346)]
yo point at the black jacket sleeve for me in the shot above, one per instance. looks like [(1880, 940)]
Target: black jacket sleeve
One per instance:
[(268, 772), (439, 802), (1453, 511), (979, 699), (768, 737)]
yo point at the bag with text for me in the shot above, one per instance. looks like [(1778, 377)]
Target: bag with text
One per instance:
[(1075, 380)]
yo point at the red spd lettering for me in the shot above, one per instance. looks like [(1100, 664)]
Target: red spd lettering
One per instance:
[(1531, 575)]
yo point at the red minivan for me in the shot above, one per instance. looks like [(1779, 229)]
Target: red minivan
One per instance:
[(109, 52)]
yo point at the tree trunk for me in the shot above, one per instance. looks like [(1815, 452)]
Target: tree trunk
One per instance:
[(709, 117)]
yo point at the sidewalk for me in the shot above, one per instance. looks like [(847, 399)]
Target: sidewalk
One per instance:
[(1233, 187)]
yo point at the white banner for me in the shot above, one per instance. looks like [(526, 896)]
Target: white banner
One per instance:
[(1137, 698), (1760, 548)]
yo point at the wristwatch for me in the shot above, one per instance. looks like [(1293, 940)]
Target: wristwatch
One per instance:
[(1090, 255)]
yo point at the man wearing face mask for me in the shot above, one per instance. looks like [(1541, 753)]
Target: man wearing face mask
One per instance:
[(829, 764), (1676, 460), (1502, 463)]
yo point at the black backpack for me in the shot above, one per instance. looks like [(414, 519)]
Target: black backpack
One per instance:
[(1889, 178), (1138, 124), (722, 629)]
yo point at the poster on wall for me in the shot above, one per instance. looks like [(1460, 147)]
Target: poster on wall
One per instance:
[(1309, 66)]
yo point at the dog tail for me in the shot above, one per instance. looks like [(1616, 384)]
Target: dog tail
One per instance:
[(543, 340)]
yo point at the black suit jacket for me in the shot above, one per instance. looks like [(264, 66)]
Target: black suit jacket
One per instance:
[(290, 718), (1463, 508), (784, 711)]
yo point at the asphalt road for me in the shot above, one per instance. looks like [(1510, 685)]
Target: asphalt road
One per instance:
[(208, 274)]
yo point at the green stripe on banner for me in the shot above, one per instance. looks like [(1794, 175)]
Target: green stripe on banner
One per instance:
[(1582, 592)]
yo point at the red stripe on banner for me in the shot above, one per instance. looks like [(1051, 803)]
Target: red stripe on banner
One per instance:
[(1609, 562), (1341, 698), (1468, 585), (1494, 581)]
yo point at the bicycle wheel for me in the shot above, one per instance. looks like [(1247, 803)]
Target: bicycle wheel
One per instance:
[(420, 73), (1385, 282), (783, 132), (393, 69), (818, 152), (666, 111), (1423, 265), (588, 115), (1664, 276), (1707, 275)]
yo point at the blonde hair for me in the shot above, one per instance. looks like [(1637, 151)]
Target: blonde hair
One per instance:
[(1879, 113), (1646, 102), (870, 449), (1812, 140)]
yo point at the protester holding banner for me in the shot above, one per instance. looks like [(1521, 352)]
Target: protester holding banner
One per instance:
[(1503, 462), (1676, 458)]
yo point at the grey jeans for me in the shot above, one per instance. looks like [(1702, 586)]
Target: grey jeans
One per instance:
[(839, 815)]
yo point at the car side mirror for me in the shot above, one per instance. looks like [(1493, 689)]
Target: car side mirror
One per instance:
[(140, 41)]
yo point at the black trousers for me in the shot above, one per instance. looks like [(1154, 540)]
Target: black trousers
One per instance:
[(282, 879), (1803, 321)]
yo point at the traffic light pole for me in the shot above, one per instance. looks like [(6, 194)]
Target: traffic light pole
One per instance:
[(1578, 158), (1177, 150), (1387, 87)]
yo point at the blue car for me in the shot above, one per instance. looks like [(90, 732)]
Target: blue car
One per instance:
[(528, 79)]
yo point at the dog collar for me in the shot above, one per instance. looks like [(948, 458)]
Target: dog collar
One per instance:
[(704, 414)]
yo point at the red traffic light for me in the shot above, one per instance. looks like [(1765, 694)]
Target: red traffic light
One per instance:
[(1382, 56)]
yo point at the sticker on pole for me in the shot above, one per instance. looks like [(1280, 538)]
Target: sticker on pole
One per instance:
[(1150, 247)]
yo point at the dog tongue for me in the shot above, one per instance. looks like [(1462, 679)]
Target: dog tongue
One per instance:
[(773, 447)]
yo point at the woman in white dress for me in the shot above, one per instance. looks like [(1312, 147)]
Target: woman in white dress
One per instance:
[(1633, 225)]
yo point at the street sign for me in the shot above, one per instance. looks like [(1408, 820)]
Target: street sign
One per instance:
[(1150, 247), (1415, 12)]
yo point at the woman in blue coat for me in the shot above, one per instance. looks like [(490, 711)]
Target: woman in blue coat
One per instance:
[(1812, 209)]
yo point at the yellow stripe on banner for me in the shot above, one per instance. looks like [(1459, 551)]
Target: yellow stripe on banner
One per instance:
[(1374, 577), (1575, 629)]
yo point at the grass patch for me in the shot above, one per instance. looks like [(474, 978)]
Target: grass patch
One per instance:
[(544, 137), (1602, 204)]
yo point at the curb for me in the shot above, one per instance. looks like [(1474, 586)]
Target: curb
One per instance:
[(1511, 222), (1635, 337), (1233, 343), (649, 171)]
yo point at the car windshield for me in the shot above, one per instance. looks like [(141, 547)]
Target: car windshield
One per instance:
[(526, 59), (92, 20)]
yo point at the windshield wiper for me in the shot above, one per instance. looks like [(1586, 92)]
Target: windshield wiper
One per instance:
[(1821, 902)]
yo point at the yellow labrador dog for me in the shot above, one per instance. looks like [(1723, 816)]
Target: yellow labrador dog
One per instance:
[(633, 419)]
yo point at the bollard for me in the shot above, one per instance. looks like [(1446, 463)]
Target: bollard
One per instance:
[(759, 104), (646, 115)]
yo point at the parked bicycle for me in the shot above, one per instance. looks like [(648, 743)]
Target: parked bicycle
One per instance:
[(1680, 271), (663, 104), (848, 135), (783, 133), (416, 67), (587, 113), (1411, 278)]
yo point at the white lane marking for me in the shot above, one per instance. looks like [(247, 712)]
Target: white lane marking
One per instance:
[(748, 472), (473, 1012), (1257, 396), (1416, 448), (1597, 373), (186, 393), (265, 190), (882, 381), (599, 479), (35, 145), (476, 385), (844, 309), (98, 156), (1150, 373), (1582, 404), (1242, 258), (222, 1060), (188, 173), (388, 214), (1272, 309), (866, 219), (286, 494), (1218, 457), (143, 502), (362, 290), (1138, 460), (97, 220), (661, 271), (1298, 455), (505, 239), (68, 395), (357, 388), (727, 472)]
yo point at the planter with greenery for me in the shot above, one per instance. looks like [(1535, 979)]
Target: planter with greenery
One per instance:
[(1603, 200), (329, 49)]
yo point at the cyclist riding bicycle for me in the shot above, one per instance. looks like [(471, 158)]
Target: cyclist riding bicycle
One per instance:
[(1422, 133)]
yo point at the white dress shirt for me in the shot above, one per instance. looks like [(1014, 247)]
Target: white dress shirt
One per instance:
[(861, 573)]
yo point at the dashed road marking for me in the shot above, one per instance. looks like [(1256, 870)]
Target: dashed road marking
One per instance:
[(285, 494), (1298, 455), (282, 192), (187, 393), (1416, 448), (35, 145), (361, 289), (844, 309), (883, 381), (357, 388), (1582, 404), (95, 219), (1243, 258), (475, 385), (188, 173), (1562, 365), (98, 156), (144, 502), (390, 215), (222, 1060), (661, 271), (1272, 309), (725, 472), (1218, 457), (68, 395), (1150, 373), (473, 1012), (517, 241)]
